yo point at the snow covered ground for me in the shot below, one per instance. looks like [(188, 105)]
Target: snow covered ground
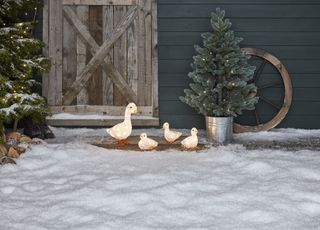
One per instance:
[(68, 184)]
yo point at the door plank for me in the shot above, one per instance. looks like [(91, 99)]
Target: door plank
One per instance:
[(69, 56), (148, 50), (99, 55), (107, 84), (99, 2), (94, 86), (141, 54), (120, 56), (83, 15), (132, 59)]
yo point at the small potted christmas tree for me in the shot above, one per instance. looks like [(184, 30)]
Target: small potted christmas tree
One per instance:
[(220, 75)]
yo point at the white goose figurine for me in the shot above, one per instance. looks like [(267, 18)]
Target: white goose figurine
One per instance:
[(191, 142), (123, 130), (146, 143), (169, 135)]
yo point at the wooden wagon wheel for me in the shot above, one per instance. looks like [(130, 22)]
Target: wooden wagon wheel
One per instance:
[(282, 110)]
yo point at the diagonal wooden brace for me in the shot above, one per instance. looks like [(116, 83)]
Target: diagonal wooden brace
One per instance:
[(99, 55)]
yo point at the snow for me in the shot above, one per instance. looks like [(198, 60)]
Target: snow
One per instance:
[(69, 116), (280, 135), (69, 184)]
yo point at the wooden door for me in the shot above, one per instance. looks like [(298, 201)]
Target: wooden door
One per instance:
[(104, 55)]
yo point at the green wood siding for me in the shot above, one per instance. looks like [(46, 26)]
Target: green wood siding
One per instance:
[(289, 29)]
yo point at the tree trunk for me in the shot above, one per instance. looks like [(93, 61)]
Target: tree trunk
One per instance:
[(15, 125)]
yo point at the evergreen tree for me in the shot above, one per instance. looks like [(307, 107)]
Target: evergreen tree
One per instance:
[(19, 61), (220, 73)]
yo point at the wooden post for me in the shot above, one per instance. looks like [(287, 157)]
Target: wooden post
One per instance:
[(45, 39), (155, 101), (55, 53)]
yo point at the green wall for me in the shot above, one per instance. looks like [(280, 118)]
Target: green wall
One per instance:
[(289, 29)]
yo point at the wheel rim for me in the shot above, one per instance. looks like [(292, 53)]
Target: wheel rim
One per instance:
[(283, 110)]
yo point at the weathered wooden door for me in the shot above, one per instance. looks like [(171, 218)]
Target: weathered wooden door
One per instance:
[(104, 55)]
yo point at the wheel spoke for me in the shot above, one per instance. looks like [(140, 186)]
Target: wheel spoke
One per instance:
[(269, 85), (259, 71), (256, 114), (269, 102)]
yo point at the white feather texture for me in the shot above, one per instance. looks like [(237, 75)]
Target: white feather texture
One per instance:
[(170, 136), (146, 143), (191, 142), (123, 130)]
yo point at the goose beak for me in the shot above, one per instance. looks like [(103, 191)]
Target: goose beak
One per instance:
[(136, 112)]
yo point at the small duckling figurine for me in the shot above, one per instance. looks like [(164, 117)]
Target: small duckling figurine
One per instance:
[(170, 136), (146, 143), (123, 130), (191, 142)]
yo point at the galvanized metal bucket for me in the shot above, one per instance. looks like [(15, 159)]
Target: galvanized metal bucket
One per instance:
[(219, 129)]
